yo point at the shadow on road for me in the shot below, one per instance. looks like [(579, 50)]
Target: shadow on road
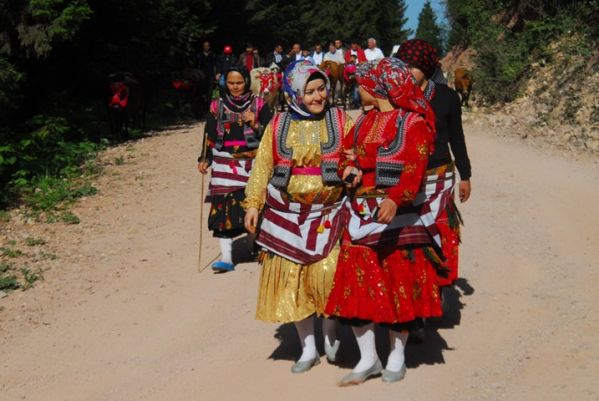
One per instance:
[(428, 351)]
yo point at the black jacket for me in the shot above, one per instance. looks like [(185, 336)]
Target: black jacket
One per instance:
[(207, 63), (224, 62), (448, 113)]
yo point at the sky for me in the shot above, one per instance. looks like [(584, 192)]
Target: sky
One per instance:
[(414, 8)]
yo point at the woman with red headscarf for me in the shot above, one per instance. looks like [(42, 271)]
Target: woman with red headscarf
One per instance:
[(422, 60), (384, 273)]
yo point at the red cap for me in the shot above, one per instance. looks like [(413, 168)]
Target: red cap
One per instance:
[(228, 50)]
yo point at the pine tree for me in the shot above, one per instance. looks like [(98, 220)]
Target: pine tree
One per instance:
[(428, 29)]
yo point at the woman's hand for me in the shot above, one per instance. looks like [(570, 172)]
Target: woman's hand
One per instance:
[(358, 176), (464, 188), (251, 220), (386, 212), (203, 167), (249, 117), (350, 154)]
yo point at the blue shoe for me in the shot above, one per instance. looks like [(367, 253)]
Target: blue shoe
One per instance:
[(390, 376), (331, 350), (360, 377), (301, 367), (222, 267)]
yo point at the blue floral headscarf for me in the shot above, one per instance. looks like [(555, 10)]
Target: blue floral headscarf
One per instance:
[(297, 75)]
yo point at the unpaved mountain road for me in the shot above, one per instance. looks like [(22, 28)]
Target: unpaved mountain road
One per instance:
[(124, 313)]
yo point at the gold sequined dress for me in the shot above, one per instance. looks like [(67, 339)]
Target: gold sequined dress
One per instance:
[(289, 291)]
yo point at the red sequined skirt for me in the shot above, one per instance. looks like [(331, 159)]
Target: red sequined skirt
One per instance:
[(384, 288), (448, 224)]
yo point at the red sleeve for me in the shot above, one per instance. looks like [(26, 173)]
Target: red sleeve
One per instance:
[(419, 140), (362, 56)]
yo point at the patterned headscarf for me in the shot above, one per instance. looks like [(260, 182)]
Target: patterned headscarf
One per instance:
[(295, 80), (237, 104), (402, 90), (420, 54), (367, 78)]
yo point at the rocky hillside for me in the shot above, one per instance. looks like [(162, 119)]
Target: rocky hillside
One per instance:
[(559, 104)]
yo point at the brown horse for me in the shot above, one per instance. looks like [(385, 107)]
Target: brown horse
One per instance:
[(463, 81), (335, 73)]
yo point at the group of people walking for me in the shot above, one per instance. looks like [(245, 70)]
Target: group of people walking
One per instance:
[(355, 220)]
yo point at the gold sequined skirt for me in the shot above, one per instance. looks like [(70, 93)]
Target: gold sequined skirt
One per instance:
[(290, 292)]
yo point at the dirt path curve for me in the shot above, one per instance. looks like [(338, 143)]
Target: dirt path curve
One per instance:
[(125, 315)]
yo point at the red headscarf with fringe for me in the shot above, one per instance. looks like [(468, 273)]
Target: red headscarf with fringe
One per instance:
[(402, 91)]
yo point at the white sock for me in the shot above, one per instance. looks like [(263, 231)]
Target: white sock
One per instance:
[(329, 331), (226, 249), (366, 344), (305, 331), (398, 344)]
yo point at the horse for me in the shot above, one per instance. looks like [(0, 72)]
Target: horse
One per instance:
[(125, 103), (191, 87), (335, 73), (463, 81), (265, 84)]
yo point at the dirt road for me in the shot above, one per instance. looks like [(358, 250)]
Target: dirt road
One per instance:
[(124, 313)]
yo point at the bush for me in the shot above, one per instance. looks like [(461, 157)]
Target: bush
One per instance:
[(509, 36)]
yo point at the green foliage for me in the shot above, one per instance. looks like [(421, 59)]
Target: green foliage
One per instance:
[(310, 22), (30, 241), (30, 277), (8, 282), (428, 29), (69, 218), (510, 35), (10, 252), (56, 56), (48, 192), (4, 216)]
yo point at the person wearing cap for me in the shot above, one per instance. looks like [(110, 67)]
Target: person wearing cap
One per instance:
[(224, 63), (422, 60)]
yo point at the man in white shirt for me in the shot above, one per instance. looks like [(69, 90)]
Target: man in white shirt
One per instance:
[(373, 52), (317, 55), (334, 55)]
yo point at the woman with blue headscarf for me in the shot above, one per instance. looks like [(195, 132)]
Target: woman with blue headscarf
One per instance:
[(296, 188)]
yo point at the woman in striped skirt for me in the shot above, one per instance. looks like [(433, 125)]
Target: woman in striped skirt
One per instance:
[(234, 127)]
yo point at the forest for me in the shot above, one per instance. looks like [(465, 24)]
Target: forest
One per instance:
[(56, 57)]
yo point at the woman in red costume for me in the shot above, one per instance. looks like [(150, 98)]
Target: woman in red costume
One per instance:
[(384, 273), (422, 60)]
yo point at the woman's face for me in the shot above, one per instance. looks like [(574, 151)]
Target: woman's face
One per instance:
[(366, 98), (418, 75), (315, 96), (235, 83)]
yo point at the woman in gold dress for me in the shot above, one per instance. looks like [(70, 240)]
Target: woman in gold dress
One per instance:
[(295, 185)]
